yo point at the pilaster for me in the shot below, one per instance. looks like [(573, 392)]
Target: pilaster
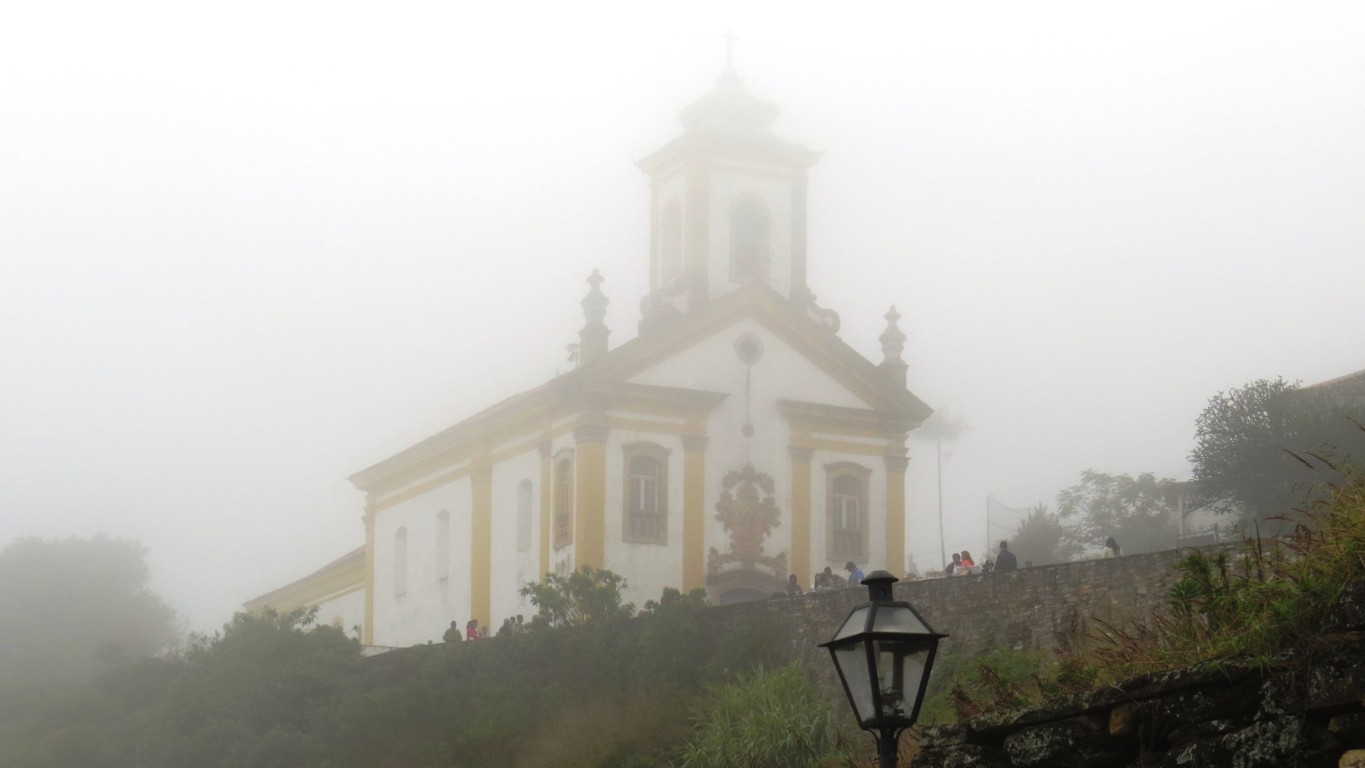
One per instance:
[(481, 542), (367, 625), (546, 501), (590, 494), (800, 546), (694, 512), (895, 514)]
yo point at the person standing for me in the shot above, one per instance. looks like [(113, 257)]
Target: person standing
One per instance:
[(1005, 560), (452, 635), (793, 587), (1111, 548), (855, 574), (951, 568)]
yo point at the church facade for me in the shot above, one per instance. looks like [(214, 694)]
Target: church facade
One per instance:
[(734, 441)]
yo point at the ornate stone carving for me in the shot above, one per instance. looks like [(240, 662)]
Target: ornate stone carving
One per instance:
[(749, 513)]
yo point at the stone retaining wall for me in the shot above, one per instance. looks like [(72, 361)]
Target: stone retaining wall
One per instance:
[(1044, 607)]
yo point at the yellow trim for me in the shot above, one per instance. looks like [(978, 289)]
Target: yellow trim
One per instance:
[(800, 546), (545, 504), (523, 446), (895, 521), (842, 420), (340, 577), (481, 545), (694, 513), (368, 632), (642, 425), (590, 502), (839, 446), (418, 490)]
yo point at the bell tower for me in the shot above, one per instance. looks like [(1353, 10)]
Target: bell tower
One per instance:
[(728, 205)]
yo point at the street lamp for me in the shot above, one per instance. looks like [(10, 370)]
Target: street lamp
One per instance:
[(883, 652)]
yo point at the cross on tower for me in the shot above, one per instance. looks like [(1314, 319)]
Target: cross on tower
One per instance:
[(729, 38)]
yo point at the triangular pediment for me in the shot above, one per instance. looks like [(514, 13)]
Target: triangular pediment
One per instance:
[(707, 333)]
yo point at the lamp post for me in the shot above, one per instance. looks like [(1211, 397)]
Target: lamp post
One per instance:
[(883, 652)]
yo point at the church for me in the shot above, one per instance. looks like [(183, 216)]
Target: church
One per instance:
[(734, 441)]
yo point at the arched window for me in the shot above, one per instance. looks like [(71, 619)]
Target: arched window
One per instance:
[(563, 503), (524, 516), (846, 511), (646, 494), (670, 242), (400, 563), (750, 234), (442, 558)]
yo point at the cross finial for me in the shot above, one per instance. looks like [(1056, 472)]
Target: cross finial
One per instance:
[(729, 38)]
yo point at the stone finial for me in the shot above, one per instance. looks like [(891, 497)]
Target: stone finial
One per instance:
[(893, 344), (593, 338)]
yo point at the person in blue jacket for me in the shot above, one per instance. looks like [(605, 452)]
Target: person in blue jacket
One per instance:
[(855, 574)]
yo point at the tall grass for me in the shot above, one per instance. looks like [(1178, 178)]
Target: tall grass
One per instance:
[(1275, 594), (1279, 593), (770, 718)]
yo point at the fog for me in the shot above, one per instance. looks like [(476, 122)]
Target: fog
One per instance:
[(248, 249)]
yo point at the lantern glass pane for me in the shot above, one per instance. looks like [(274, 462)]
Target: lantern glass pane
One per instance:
[(852, 662), (853, 624), (898, 618), (900, 668)]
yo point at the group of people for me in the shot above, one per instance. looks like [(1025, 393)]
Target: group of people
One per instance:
[(1006, 561), (827, 579), (513, 625), (963, 564)]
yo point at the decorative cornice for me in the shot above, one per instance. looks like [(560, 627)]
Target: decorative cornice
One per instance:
[(591, 433), (897, 463), (694, 443), (801, 453), (823, 418)]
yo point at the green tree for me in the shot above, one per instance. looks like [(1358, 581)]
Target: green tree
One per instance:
[(586, 596), (76, 607), (1135, 511), (255, 693), (1043, 538), (1259, 449)]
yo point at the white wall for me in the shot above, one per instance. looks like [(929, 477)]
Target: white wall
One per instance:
[(511, 568), (426, 610)]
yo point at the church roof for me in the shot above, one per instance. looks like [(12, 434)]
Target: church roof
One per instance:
[(1350, 384), (341, 575), (610, 375)]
